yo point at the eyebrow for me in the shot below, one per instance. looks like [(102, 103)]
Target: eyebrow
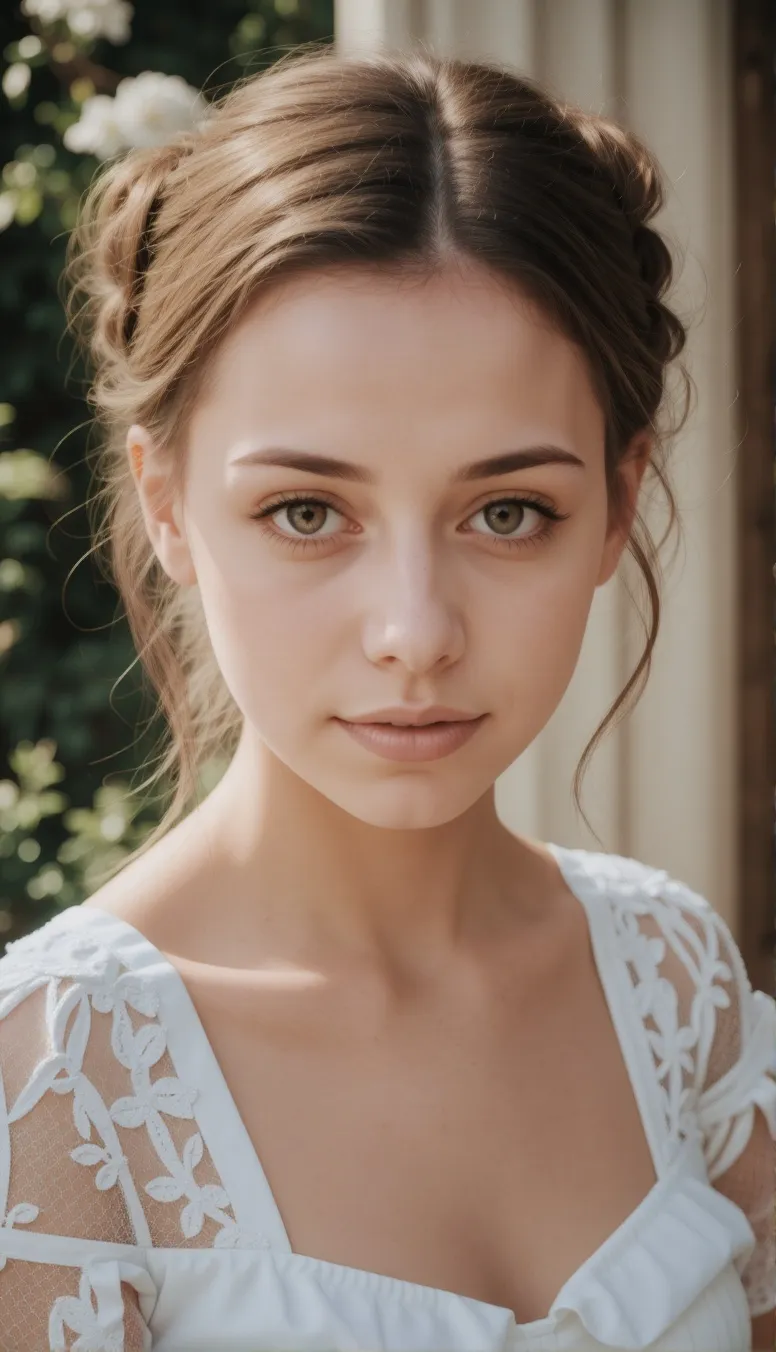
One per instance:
[(504, 463)]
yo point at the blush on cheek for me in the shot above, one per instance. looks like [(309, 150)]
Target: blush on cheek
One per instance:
[(545, 644), (266, 648)]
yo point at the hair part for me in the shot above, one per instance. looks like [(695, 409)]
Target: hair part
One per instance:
[(407, 161)]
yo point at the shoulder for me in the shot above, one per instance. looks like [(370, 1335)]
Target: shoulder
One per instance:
[(622, 872), (636, 887), (54, 984), (684, 961), (665, 927), (72, 944), (691, 980), (79, 940)]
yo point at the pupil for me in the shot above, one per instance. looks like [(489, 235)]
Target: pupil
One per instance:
[(306, 517), (503, 517)]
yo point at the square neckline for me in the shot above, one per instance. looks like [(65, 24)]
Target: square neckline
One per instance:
[(239, 1165)]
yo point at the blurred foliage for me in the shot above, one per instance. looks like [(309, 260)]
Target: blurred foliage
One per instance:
[(76, 723)]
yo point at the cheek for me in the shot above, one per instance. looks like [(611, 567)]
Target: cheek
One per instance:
[(268, 628), (534, 630)]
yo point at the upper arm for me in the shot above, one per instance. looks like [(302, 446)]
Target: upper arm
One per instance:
[(749, 1182), (714, 1040), (737, 1116), (101, 1158), (67, 1267)]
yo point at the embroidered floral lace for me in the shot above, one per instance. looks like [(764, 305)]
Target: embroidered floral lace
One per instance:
[(714, 1046), (99, 1138)]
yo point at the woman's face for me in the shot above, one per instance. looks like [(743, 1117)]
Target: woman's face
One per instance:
[(365, 537)]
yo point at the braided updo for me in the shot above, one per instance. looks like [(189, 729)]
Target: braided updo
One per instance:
[(404, 160)]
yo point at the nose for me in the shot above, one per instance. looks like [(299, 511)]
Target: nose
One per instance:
[(412, 618)]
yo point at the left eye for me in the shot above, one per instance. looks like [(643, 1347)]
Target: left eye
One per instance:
[(503, 517)]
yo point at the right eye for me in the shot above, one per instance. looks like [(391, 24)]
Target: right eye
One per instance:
[(300, 520)]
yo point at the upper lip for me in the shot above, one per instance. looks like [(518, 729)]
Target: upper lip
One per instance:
[(404, 717)]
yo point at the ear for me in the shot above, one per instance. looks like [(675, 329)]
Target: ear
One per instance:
[(630, 472), (161, 507)]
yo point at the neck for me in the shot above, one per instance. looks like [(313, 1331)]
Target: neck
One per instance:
[(295, 865)]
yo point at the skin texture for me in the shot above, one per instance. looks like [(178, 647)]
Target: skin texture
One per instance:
[(411, 597)]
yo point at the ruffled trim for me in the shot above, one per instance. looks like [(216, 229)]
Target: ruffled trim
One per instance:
[(637, 1285), (104, 1276)]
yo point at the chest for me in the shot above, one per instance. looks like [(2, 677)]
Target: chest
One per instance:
[(484, 1147)]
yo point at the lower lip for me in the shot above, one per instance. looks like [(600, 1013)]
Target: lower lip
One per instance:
[(414, 743)]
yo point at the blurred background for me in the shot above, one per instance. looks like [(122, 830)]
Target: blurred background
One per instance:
[(687, 782)]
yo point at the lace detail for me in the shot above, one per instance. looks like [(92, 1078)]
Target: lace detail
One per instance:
[(100, 1329), (103, 985), (712, 1039), (21, 1214), (44, 1305), (81, 1036), (91, 1105), (680, 1021)]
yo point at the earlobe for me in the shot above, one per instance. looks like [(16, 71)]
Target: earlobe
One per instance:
[(162, 513)]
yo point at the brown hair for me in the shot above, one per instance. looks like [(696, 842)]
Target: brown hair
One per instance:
[(401, 159)]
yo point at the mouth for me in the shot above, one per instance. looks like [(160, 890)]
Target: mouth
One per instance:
[(424, 741), (402, 716)]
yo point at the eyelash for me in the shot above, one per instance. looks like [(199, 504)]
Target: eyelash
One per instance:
[(552, 518)]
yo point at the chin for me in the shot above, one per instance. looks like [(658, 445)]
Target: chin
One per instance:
[(405, 803)]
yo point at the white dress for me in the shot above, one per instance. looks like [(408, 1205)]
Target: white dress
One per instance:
[(134, 1213)]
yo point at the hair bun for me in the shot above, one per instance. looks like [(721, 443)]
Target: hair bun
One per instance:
[(636, 182), (633, 171), (109, 252)]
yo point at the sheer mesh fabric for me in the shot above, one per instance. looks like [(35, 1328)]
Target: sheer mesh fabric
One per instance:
[(85, 1158), (52, 1308), (700, 1014), (741, 1150)]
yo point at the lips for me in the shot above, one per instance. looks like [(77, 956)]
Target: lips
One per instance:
[(412, 741)]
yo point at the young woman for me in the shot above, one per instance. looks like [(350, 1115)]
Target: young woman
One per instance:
[(338, 1061)]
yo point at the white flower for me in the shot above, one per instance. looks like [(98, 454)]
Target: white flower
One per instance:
[(7, 210), (48, 11), (97, 132), (151, 108), (86, 18), (16, 79), (147, 110), (102, 19)]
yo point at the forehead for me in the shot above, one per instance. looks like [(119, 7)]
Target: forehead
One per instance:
[(358, 357)]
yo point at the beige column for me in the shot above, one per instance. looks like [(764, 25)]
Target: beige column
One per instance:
[(681, 747)]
